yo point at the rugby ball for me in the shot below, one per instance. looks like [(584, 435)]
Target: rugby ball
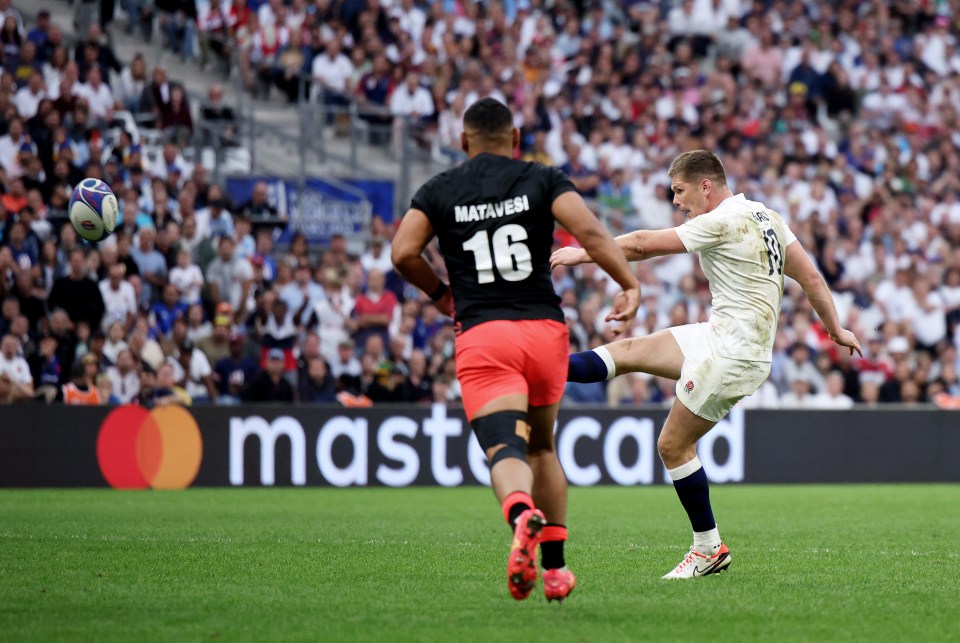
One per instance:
[(93, 209)]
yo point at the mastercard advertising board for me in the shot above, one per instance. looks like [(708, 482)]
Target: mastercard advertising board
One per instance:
[(176, 448), (156, 449)]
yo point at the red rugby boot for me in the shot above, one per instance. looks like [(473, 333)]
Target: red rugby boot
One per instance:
[(522, 565), (558, 583)]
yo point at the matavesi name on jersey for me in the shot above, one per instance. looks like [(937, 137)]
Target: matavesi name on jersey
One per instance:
[(468, 213)]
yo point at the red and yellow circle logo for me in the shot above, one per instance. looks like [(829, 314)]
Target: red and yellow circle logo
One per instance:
[(158, 449)]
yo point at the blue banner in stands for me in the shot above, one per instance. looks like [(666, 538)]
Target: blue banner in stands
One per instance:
[(321, 208)]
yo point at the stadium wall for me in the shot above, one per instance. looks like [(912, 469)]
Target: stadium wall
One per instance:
[(130, 447)]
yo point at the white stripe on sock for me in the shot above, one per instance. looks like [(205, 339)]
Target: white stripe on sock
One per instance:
[(607, 358), (685, 470)]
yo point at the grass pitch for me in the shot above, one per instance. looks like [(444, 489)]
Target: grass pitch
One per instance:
[(810, 563)]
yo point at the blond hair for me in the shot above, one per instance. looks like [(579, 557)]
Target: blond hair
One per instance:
[(696, 165)]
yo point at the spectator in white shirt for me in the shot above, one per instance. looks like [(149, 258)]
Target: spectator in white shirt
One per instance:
[(332, 71), (133, 80), (230, 277), (409, 103), (115, 343), (882, 107), (27, 99), (928, 315), (682, 20), (946, 210), (895, 296), (346, 362), (193, 371), (800, 367), (932, 45), (412, 18), (188, 279), (449, 128), (10, 147), (268, 12), (411, 100), (126, 381), (330, 317), (55, 71), (800, 395), (119, 298), (377, 257), (14, 369), (98, 95), (616, 151), (833, 397)]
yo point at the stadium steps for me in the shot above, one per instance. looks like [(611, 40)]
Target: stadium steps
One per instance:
[(277, 133)]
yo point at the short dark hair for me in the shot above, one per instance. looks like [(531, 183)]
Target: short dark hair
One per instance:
[(488, 118), (696, 165)]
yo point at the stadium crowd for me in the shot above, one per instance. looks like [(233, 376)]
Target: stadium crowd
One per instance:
[(841, 117)]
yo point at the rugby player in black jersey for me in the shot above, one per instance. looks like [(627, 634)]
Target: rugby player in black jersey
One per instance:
[(494, 218)]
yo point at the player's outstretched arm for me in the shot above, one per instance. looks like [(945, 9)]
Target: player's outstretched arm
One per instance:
[(799, 267), (413, 235), (636, 246), (574, 215)]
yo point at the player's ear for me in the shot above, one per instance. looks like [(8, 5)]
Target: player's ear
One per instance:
[(516, 138), (706, 186), (464, 143)]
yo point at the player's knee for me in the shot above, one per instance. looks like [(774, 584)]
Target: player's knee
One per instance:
[(503, 435), (541, 446), (668, 448), (535, 451)]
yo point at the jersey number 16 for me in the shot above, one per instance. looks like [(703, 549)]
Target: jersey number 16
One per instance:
[(512, 256)]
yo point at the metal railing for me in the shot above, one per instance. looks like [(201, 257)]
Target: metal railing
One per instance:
[(307, 139)]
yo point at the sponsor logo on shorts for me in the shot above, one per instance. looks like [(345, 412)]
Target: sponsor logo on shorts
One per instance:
[(688, 387), (141, 449)]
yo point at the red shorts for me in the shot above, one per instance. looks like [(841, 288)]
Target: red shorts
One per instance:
[(501, 357)]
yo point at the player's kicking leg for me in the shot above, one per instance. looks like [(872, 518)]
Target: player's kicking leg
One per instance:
[(503, 433), (678, 450), (550, 495), (660, 354), (656, 354)]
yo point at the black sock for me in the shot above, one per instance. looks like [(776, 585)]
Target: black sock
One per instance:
[(514, 512), (552, 550), (553, 554)]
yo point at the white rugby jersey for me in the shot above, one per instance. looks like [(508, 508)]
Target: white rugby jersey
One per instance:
[(742, 246)]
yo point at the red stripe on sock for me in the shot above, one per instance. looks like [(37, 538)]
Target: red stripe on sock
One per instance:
[(514, 498), (553, 533)]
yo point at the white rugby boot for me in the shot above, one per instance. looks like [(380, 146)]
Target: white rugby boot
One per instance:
[(695, 564)]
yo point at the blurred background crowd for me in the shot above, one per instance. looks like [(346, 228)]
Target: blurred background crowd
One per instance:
[(841, 116)]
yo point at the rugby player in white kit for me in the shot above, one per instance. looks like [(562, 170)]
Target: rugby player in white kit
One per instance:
[(745, 250)]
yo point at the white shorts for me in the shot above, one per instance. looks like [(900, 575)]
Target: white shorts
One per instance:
[(711, 383)]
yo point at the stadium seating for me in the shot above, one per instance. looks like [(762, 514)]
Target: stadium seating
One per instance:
[(850, 133)]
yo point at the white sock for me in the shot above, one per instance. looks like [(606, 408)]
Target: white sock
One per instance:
[(685, 470), (607, 358), (707, 542)]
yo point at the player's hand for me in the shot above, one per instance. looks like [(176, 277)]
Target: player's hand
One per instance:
[(445, 303), (847, 339), (569, 256), (625, 306)]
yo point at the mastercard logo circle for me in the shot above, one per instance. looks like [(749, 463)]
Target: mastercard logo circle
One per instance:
[(141, 449)]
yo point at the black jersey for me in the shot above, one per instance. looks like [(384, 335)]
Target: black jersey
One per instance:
[(493, 218)]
